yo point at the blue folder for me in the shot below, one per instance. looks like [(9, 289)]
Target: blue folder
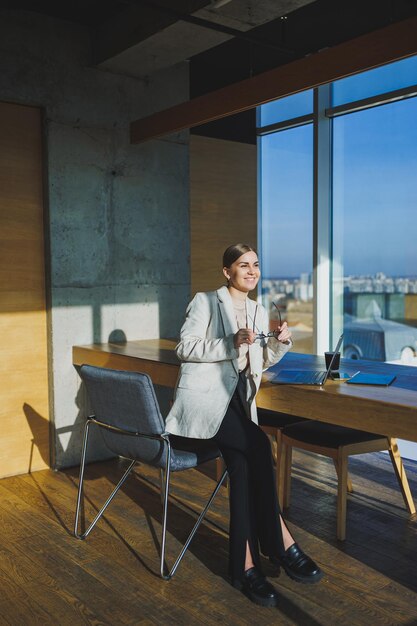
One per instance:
[(362, 378)]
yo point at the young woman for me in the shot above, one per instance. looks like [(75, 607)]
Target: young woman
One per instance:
[(223, 350)]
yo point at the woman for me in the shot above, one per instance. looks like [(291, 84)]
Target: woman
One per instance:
[(223, 355)]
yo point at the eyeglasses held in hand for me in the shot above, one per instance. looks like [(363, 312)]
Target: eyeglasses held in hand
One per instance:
[(272, 333)]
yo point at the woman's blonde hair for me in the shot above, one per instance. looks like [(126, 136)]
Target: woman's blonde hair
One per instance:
[(232, 253)]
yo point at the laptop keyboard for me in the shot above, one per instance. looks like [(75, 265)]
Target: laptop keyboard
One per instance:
[(316, 377), (299, 377), (311, 377)]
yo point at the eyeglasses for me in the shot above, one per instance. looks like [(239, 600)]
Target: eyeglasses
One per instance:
[(272, 333)]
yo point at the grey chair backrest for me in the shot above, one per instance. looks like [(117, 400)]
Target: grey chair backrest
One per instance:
[(126, 400)]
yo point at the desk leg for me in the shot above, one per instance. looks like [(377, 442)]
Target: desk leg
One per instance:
[(342, 463), (349, 482), (401, 475)]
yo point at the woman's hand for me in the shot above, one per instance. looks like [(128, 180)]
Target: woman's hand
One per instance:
[(243, 335), (283, 334)]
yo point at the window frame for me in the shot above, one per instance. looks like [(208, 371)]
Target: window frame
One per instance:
[(327, 279)]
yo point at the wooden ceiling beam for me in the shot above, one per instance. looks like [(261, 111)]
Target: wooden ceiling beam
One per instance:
[(379, 47)]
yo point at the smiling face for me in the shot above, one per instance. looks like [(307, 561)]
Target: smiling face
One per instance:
[(243, 275)]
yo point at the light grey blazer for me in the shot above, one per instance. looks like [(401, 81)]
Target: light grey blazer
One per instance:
[(209, 370)]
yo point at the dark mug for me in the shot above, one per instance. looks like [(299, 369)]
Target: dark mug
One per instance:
[(336, 361)]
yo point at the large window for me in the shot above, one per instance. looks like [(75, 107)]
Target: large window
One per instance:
[(298, 105), (285, 149), (360, 210), (375, 226), (379, 81)]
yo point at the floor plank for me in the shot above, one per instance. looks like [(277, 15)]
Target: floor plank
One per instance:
[(49, 577)]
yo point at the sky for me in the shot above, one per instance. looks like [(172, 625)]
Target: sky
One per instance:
[(374, 184)]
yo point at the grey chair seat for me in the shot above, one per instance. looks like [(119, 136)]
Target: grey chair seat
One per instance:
[(182, 459)]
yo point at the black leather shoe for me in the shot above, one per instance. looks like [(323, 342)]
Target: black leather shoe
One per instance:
[(256, 587), (298, 565)]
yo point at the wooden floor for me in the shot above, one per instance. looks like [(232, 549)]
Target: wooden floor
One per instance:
[(48, 577)]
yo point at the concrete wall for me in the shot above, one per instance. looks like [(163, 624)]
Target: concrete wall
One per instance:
[(118, 214)]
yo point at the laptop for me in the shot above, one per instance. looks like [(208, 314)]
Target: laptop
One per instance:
[(306, 377)]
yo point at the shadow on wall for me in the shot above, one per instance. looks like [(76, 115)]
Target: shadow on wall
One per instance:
[(145, 315), (38, 426), (72, 435), (117, 336)]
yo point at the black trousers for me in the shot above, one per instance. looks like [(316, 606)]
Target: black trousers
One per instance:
[(254, 508)]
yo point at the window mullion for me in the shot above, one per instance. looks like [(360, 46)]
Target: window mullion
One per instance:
[(322, 231)]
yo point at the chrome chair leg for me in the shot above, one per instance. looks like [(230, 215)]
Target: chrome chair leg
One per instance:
[(165, 511), (162, 484), (171, 572), (165, 573), (80, 497)]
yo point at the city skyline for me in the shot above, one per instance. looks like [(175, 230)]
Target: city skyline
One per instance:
[(392, 276)]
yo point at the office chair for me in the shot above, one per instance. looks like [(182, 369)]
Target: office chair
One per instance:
[(127, 414), (338, 443)]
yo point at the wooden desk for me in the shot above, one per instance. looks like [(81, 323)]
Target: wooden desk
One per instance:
[(155, 357), (390, 411)]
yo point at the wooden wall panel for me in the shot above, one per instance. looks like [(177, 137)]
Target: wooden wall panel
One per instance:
[(24, 442), (223, 205)]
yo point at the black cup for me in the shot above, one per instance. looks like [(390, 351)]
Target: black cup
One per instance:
[(336, 362)]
